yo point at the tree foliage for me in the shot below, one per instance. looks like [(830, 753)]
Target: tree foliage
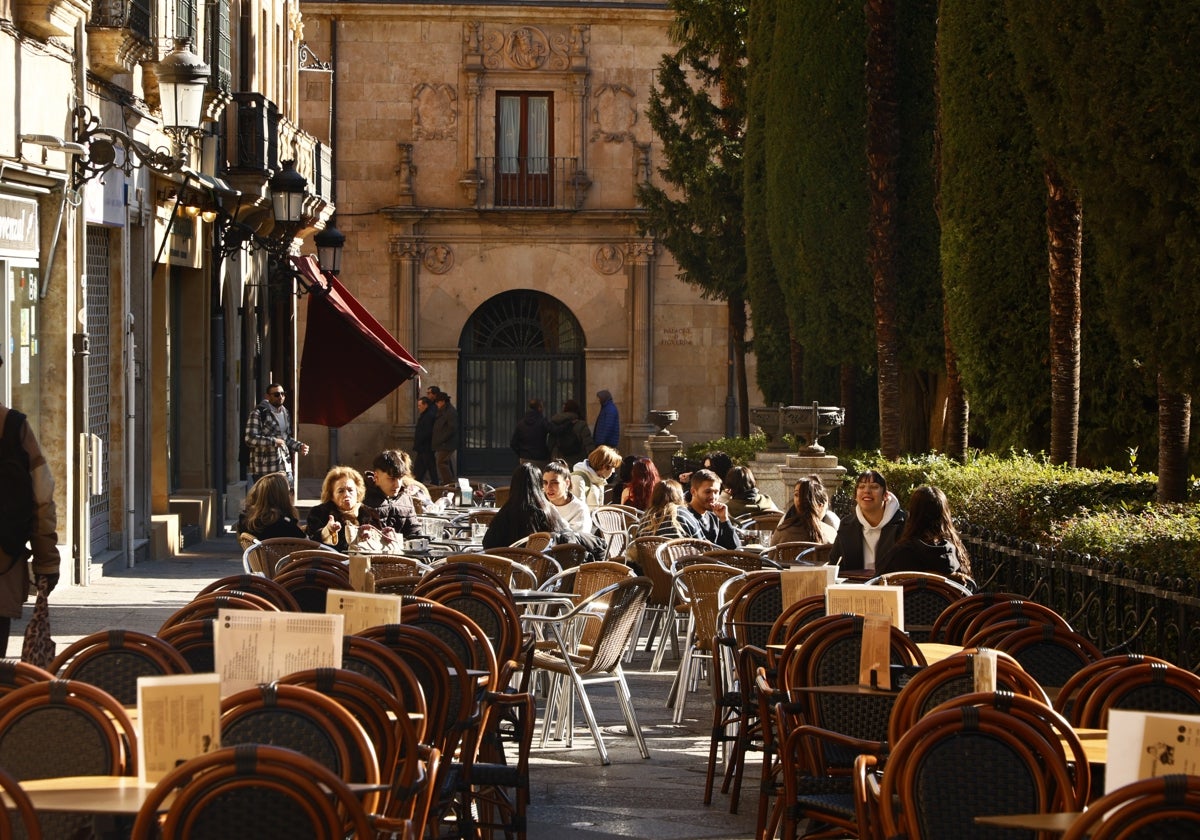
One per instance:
[(772, 331)]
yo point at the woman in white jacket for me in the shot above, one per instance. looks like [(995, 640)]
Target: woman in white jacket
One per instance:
[(589, 478)]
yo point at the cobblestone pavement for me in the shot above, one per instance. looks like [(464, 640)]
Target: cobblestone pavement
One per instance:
[(572, 793)]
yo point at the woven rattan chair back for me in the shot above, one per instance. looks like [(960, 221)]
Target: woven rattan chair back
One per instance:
[(960, 763), (194, 641), (264, 587), (789, 553), (953, 677), (260, 557), (614, 522), (1049, 653), (1017, 610), (746, 561), (1163, 808), (951, 626), (114, 659), (252, 790), (1149, 687), (1084, 681), (309, 586), (567, 555), (14, 674), (312, 558), (206, 607), (380, 664)]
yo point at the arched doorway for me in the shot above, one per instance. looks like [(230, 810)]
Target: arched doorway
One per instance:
[(516, 346)]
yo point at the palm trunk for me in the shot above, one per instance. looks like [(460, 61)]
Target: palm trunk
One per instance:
[(1064, 230), (737, 333), (882, 151), (958, 410), (1174, 430)]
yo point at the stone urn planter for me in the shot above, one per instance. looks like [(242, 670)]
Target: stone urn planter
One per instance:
[(806, 422), (662, 418)]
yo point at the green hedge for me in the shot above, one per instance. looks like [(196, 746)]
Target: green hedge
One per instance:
[(1105, 513)]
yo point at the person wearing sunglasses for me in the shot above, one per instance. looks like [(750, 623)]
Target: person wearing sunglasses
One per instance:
[(269, 437)]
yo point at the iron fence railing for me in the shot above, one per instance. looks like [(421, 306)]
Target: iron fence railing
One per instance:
[(533, 183)]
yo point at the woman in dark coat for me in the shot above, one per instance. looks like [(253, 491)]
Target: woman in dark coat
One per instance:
[(929, 542), (529, 437)]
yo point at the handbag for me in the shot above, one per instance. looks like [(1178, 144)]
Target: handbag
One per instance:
[(39, 648)]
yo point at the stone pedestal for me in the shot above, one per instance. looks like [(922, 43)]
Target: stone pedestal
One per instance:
[(660, 448), (766, 466), (799, 466)]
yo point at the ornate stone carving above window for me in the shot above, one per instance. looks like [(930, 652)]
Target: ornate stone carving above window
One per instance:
[(435, 111), (530, 48), (614, 113)]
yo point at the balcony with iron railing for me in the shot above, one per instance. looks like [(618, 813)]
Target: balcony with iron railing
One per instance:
[(263, 139), (119, 33), (530, 183)]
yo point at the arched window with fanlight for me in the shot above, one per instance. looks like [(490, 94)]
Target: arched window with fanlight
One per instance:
[(516, 346)]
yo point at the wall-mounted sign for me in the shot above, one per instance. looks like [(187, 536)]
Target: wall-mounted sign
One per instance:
[(18, 226)]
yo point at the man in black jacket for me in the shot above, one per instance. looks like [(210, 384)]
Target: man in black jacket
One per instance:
[(445, 438), (424, 466)]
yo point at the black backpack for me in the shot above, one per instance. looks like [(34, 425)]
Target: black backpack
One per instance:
[(566, 443), (17, 508)]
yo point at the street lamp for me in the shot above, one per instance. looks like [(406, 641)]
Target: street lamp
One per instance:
[(289, 189), (330, 243), (182, 78)]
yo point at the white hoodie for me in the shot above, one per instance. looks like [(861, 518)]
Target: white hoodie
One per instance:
[(587, 484), (871, 532)]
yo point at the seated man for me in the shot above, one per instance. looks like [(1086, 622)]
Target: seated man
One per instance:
[(709, 512)]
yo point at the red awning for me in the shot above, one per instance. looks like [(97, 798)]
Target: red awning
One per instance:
[(349, 361)]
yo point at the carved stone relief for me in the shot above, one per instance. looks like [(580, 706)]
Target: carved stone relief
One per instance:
[(528, 48), (435, 111), (614, 113), (438, 259), (608, 259)]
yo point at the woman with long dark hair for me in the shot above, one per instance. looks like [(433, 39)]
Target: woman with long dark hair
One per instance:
[(526, 511), (643, 476), (269, 510), (929, 541), (804, 519)]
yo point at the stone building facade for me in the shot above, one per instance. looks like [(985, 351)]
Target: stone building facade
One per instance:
[(486, 157)]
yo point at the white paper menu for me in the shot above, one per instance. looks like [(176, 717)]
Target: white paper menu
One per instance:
[(1145, 745), (362, 609), (861, 599), (805, 581), (179, 718), (252, 647)]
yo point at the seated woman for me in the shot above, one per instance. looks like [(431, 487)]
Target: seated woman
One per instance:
[(390, 496), (643, 477), (804, 520), (744, 495), (589, 478), (665, 516), (866, 537), (556, 482), (269, 511), (342, 519), (929, 541), (526, 511)]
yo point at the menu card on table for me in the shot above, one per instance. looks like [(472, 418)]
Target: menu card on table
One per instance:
[(861, 599), (875, 657), (802, 582), (362, 609), (1145, 745), (179, 718), (252, 648)]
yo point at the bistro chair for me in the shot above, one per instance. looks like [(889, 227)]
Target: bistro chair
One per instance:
[(669, 555), (308, 722), (600, 663), (257, 585), (14, 674), (697, 587), (567, 554), (18, 811), (537, 541), (312, 558), (309, 586), (1148, 687), (1049, 653), (945, 770), (747, 561), (194, 642), (260, 557), (1011, 611), (926, 596), (206, 607), (1149, 809), (799, 554), (381, 665), (539, 562), (114, 659), (1084, 681), (614, 522), (514, 574), (951, 626), (385, 719), (644, 561), (65, 728), (254, 790)]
